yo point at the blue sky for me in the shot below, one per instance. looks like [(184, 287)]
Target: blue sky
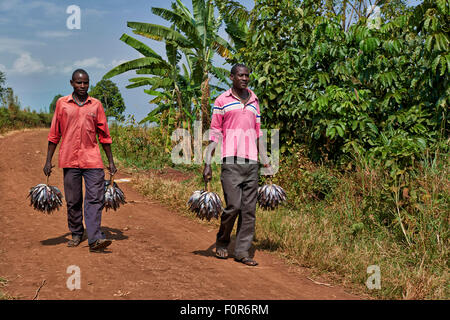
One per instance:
[(38, 52)]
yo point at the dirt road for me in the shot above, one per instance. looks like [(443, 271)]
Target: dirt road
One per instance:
[(156, 253)]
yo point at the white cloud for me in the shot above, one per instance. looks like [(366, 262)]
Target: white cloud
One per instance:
[(117, 62), (32, 13), (87, 63), (26, 64), (38, 7), (93, 12), (53, 34), (16, 46)]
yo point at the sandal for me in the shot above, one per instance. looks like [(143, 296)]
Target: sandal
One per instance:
[(74, 242), (247, 261), (221, 253)]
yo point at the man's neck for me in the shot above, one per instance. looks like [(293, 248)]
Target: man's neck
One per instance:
[(80, 98), (241, 93)]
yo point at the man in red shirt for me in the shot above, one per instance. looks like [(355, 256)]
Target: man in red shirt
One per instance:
[(77, 121)]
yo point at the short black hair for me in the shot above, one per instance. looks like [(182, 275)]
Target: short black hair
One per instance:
[(236, 66), (82, 71)]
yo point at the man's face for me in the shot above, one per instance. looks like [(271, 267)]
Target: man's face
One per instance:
[(241, 78), (80, 84)]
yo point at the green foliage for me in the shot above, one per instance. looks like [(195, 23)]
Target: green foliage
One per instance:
[(138, 147), (2, 83), (380, 93), (11, 119), (193, 34), (52, 106), (108, 93), (338, 218)]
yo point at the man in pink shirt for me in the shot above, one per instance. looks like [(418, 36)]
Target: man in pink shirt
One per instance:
[(236, 122), (77, 121)]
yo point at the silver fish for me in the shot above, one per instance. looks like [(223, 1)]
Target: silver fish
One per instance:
[(114, 196), (270, 196), (45, 198)]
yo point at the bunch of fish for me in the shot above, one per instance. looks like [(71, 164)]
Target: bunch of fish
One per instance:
[(205, 204), (114, 196), (270, 196), (45, 198)]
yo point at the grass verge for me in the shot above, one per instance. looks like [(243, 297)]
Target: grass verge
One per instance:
[(339, 222)]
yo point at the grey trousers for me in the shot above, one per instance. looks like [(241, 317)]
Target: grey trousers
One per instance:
[(94, 182), (240, 188)]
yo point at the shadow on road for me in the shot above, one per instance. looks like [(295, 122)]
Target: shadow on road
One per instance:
[(210, 252), (57, 240), (110, 233)]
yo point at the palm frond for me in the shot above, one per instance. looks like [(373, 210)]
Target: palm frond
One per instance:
[(139, 46), (136, 64), (182, 22), (223, 48), (154, 30), (182, 9), (151, 116), (149, 36), (233, 10), (157, 71)]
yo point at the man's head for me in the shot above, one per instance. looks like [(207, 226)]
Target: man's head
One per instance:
[(80, 82), (240, 76)]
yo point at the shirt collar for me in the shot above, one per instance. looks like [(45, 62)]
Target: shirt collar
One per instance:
[(253, 96), (70, 98)]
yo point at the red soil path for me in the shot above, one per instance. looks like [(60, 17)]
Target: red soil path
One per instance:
[(156, 253)]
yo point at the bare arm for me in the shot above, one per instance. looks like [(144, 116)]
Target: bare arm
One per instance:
[(264, 159), (48, 163), (112, 168), (207, 172)]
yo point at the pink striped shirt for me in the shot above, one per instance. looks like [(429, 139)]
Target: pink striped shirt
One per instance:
[(236, 126)]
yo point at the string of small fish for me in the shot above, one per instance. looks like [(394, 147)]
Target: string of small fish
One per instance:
[(207, 205), (114, 196), (47, 199)]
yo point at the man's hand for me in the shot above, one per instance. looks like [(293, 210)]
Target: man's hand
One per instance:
[(48, 169), (112, 168), (48, 163), (207, 173), (267, 170)]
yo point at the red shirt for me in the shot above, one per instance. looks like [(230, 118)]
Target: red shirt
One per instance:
[(78, 128)]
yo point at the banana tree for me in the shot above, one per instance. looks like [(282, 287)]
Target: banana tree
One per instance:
[(196, 32), (165, 81)]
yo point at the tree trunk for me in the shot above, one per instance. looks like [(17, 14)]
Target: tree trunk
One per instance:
[(179, 117), (205, 104)]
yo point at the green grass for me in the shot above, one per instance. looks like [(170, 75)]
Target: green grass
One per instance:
[(336, 221), (14, 118), (4, 296)]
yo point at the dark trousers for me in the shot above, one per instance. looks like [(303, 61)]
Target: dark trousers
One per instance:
[(240, 188), (94, 182)]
